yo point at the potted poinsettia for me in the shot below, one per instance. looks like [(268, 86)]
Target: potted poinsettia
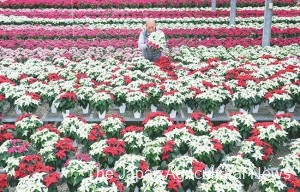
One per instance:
[(39, 181), (290, 163), (189, 169), (294, 89), (155, 92), (181, 135), (155, 123), (258, 151), (65, 101), (75, 170), (72, 127), (295, 146), (120, 93), (247, 98), (206, 149), (271, 182), (49, 93), (134, 139), (290, 125), (107, 151), (84, 94), (156, 41), (138, 102), (240, 167), (132, 168), (102, 180), (101, 101), (26, 125), (222, 181), (279, 100), (96, 133), (28, 103), (243, 122), (271, 133), (63, 150), (160, 152), (112, 125), (190, 99), (161, 180), (200, 123), (172, 101), (227, 135)]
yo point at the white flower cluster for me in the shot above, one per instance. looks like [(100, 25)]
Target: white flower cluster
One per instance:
[(157, 38), (134, 96), (154, 181), (179, 136), (100, 96), (135, 139), (90, 184), (225, 135), (72, 126), (239, 166), (271, 132), (271, 182), (97, 147), (219, 181), (112, 124), (287, 123), (290, 163), (78, 167), (200, 125), (282, 97), (32, 183), (176, 98), (127, 165), (27, 124), (159, 121), (154, 148), (242, 119), (250, 148), (295, 146), (183, 167), (12, 164)]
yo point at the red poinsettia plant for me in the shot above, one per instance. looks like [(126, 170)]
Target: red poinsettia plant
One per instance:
[(96, 134), (107, 152), (6, 132), (65, 101), (4, 183), (291, 180), (64, 150)]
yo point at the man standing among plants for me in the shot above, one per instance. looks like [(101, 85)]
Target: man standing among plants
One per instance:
[(152, 41)]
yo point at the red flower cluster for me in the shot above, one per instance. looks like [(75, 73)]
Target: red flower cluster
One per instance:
[(115, 116), (174, 181), (96, 133), (34, 96), (49, 127), (69, 96), (217, 145), (179, 126), (3, 181), (291, 180), (264, 125), (31, 164), (276, 91), (131, 128), (6, 132), (143, 87), (198, 167), (18, 146), (2, 98), (52, 179), (83, 157), (164, 63), (114, 147), (199, 115), (167, 148), (64, 146), (54, 77), (144, 166), (80, 118), (112, 177), (223, 125), (152, 115), (284, 115)]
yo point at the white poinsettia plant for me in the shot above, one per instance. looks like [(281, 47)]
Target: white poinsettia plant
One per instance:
[(156, 41), (279, 100), (295, 146), (200, 123), (172, 100), (243, 122), (227, 135), (112, 125), (28, 102), (206, 149), (71, 126), (135, 141), (137, 101), (247, 98), (271, 182), (155, 123), (26, 125), (219, 181), (290, 163), (240, 167), (289, 124), (271, 133), (84, 94), (102, 100)]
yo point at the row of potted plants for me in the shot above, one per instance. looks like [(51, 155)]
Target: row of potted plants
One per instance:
[(158, 145), (135, 4)]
